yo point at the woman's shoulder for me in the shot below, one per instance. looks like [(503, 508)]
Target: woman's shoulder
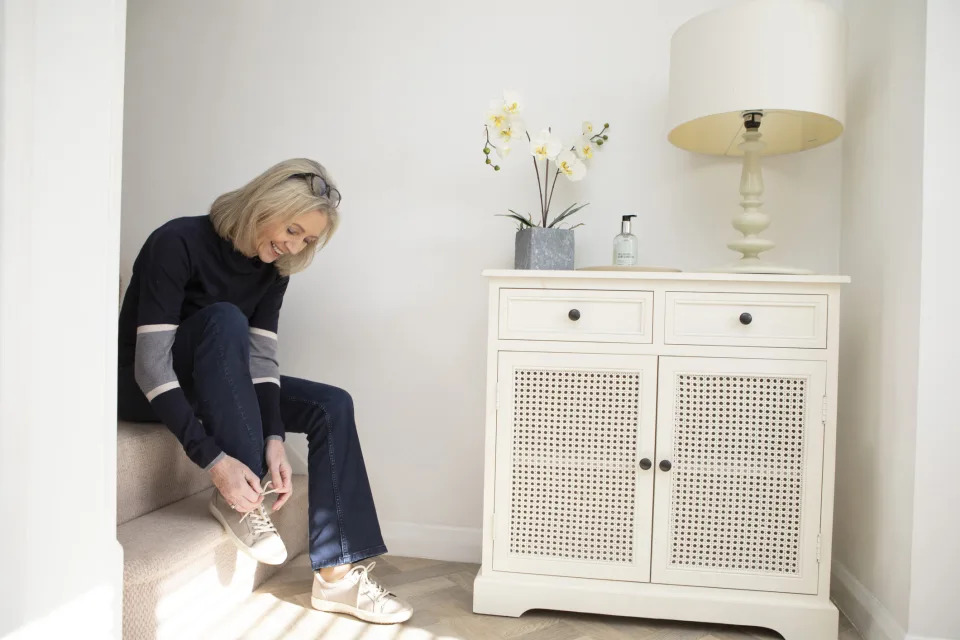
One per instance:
[(176, 240), (183, 232), (188, 226)]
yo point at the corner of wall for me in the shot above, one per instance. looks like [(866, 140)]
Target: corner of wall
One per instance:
[(867, 614)]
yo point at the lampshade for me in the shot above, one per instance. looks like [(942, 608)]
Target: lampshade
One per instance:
[(785, 58)]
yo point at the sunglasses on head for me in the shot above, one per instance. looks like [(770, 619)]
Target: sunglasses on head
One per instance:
[(319, 187)]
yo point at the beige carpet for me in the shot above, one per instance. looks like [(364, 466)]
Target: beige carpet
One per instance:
[(441, 593)]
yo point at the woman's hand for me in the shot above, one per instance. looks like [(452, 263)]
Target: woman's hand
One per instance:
[(237, 483), (280, 472)]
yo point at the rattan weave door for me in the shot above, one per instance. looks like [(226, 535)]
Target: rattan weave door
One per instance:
[(739, 506), (571, 496)]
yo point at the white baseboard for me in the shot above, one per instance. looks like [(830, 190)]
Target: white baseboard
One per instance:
[(296, 447), (873, 620), (436, 542)]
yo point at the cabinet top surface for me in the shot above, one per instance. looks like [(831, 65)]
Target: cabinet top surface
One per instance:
[(663, 275)]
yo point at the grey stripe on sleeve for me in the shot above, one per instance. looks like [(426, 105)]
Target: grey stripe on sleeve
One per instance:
[(153, 360), (263, 357), (215, 461)]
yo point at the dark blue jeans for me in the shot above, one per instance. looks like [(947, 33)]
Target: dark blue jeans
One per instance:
[(211, 356)]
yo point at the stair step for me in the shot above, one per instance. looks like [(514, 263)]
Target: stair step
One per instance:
[(152, 470), (181, 570)]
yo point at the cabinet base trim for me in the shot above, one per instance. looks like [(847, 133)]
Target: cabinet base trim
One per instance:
[(795, 617)]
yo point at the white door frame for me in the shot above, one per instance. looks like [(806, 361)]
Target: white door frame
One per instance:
[(61, 119)]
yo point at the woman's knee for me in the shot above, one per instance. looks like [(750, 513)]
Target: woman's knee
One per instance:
[(332, 407), (227, 321), (340, 400)]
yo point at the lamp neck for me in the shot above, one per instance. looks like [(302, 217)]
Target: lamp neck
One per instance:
[(751, 179), (751, 120)]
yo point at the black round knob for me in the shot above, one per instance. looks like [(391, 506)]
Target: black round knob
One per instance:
[(645, 464), (746, 318), (665, 465), (574, 314)]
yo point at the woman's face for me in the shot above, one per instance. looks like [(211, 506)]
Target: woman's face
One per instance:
[(290, 237)]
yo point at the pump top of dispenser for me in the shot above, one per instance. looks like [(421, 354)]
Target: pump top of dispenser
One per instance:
[(625, 224)]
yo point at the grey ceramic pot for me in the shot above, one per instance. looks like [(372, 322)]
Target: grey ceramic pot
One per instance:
[(539, 248)]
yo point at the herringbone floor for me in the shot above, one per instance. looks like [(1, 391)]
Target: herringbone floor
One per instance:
[(441, 593)]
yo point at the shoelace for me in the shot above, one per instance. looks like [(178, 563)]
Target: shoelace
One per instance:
[(260, 522), (368, 586)]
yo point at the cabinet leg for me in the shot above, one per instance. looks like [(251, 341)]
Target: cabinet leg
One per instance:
[(813, 625), (494, 599)]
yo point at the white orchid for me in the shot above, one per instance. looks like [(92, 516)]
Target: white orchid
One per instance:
[(496, 116), (511, 103), (504, 130), (570, 165), (510, 132), (546, 145), (584, 148)]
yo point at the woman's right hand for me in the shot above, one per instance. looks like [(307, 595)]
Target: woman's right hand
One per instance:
[(237, 483)]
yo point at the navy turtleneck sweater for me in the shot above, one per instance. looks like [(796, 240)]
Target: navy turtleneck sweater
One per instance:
[(183, 267)]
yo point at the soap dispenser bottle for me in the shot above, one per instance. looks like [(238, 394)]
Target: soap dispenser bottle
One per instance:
[(625, 245)]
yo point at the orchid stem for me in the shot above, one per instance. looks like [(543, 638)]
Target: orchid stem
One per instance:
[(546, 183), (550, 197), (536, 168)]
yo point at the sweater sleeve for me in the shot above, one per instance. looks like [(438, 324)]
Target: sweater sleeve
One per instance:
[(264, 368), (165, 270)]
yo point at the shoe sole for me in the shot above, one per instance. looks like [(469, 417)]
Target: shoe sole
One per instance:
[(376, 618), (237, 541)]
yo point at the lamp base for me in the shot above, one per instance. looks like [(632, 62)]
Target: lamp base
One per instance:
[(759, 266)]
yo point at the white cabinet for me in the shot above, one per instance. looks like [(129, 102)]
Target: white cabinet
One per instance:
[(661, 446), (740, 505), (571, 432)]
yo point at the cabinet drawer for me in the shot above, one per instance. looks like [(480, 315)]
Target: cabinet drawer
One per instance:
[(569, 314), (746, 319)]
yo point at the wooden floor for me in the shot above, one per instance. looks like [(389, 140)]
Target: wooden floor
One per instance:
[(441, 593)]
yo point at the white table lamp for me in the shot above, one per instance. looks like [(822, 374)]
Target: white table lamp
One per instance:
[(760, 77)]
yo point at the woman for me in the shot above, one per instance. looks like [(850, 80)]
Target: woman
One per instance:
[(198, 345)]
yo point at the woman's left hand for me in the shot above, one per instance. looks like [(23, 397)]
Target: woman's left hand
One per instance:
[(280, 472)]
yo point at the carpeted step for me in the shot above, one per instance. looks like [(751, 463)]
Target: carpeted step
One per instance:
[(152, 470), (182, 572)]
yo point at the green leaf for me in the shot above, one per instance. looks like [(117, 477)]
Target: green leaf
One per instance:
[(559, 217), (516, 216), (569, 211)]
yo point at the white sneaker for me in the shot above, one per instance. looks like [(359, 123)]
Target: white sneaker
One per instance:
[(358, 595), (253, 532)]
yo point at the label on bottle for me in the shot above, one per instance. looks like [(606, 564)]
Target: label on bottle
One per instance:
[(624, 259)]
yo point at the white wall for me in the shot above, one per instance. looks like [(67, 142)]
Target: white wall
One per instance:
[(61, 93), (936, 518), (390, 97), (880, 250), (897, 555)]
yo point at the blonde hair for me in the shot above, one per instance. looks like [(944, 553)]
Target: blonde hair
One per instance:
[(281, 193)]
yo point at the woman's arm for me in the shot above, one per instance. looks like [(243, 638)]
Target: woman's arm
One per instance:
[(265, 371), (264, 368), (165, 270)]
